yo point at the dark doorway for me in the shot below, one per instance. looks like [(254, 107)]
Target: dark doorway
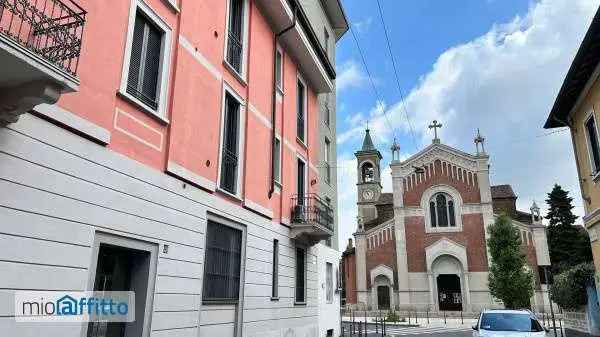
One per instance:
[(383, 297), (121, 269), (449, 292)]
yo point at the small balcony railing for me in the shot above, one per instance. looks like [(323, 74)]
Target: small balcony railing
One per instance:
[(310, 209), (52, 29)]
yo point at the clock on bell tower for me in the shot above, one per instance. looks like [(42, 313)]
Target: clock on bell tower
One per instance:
[(369, 178)]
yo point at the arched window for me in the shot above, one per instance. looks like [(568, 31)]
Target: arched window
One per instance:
[(441, 211), (368, 172)]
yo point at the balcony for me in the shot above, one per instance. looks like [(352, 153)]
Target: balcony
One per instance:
[(312, 219), (40, 44)]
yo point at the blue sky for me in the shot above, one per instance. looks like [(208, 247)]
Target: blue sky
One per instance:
[(490, 64)]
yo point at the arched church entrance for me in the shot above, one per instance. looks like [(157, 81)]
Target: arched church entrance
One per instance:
[(447, 271), (383, 297), (449, 292)]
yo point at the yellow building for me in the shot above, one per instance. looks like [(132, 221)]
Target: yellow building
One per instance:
[(577, 106)]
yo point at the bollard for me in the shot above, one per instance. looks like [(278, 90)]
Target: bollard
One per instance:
[(353, 326), (359, 328), (444, 311), (560, 325), (408, 314), (376, 325), (383, 332), (427, 313), (461, 318)]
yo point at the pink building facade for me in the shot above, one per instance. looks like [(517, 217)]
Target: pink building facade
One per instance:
[(184, 133)]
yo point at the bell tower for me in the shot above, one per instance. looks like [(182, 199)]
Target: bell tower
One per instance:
[(369, 179)]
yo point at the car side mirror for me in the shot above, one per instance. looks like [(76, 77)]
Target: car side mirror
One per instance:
[(474, 327)]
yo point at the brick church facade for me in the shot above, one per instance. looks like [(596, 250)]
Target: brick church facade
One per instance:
[(423, 246)]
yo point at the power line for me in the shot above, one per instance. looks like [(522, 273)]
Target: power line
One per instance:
[(402, 102), (377, 96)]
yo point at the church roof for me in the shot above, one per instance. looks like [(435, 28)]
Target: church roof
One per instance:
[(502, 191), (368, 142)]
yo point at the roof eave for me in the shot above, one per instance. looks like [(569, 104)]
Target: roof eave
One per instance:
[(563, 105)]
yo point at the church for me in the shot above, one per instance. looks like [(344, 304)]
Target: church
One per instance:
[(423, 246)]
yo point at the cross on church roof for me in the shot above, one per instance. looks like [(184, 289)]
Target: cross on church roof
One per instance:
[(435, 125), (479, 140)]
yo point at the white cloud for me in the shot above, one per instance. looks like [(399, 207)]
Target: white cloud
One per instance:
[(362, 26), (503, 82), (350, 76)]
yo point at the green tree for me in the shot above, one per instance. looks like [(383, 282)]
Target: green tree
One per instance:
[(509, 279), (569, 289), (569, 244)]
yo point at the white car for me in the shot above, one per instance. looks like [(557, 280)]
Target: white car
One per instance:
[(508, 323)]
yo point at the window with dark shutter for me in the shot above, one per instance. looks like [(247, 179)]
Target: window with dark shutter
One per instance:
[(279, 69), (300, 276), (300, 110), (301, 185), (222, 268), (275, 271), (277, 160), (234, 34), (594, 147), (144, 65), (230, 155)]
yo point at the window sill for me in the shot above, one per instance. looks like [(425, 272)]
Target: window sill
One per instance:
[(235, 73), (136, 102), (299, 304), (274, 299), (596, 176), (443, 229), (220, 302), (173, 5), (229, 194), (301, 143)]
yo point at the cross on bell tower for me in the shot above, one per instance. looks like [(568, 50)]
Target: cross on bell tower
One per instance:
[(435, 125)]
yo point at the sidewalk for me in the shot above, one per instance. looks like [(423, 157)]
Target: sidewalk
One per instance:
[(421, 322)]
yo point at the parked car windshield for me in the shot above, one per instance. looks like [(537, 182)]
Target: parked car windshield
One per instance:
[(509, 322)]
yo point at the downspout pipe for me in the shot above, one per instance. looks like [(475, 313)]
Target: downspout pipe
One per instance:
[(274, 97)]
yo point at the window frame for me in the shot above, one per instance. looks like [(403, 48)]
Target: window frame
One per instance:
[(302, 159), (278, 164), (304, 249), (303, 141), (326, 40), (242, 229), (327, 159), (227, 89), (165, 60), (451, 195), (279, 79), (595, 171), (329, 282), (240, 75), (275, 272)]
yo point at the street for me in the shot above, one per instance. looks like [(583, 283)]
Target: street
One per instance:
[(411, 331)]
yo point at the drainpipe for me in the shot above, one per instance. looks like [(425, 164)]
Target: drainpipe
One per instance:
[(274, 98)]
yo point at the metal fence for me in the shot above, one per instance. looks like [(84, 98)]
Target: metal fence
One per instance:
[(52, 29), (310, 208)]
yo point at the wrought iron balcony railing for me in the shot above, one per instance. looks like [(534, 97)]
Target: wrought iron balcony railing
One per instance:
[(310, 208), (52, 29)]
